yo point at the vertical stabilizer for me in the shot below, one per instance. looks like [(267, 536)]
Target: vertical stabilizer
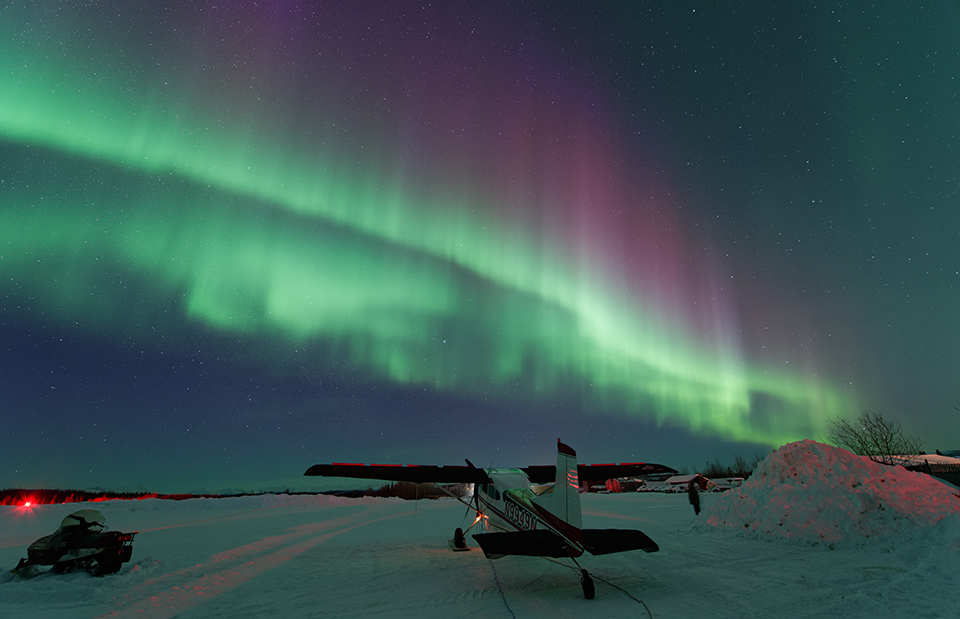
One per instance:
[(563, 500)]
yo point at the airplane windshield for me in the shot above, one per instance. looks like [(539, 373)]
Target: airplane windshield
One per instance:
[(507, 479)]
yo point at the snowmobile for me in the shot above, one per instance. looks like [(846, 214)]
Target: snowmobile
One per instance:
[(81, 544)]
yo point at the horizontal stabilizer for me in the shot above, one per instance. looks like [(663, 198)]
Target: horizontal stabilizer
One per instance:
[(402, 472), (607, 541), (598, 472), (538, 543)]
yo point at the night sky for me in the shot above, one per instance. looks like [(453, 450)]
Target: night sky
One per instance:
[(242, 238)]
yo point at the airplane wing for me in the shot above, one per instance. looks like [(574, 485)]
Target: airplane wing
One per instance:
[(598, 472), (401, 472), (469, 474)]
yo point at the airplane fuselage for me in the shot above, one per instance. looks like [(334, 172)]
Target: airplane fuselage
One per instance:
[(507, 503)]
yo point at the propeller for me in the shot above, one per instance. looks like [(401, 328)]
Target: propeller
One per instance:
[(476, 499)]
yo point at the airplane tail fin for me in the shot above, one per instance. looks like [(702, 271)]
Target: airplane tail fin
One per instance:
[(563, 500)]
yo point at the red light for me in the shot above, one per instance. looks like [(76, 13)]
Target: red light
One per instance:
[(27, 504)]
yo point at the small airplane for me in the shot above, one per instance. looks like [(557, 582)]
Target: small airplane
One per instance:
[(522, 512)]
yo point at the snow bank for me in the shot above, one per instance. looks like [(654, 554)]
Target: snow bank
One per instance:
[(809, 492)]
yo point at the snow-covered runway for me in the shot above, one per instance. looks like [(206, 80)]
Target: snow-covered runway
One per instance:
[(316, 556)]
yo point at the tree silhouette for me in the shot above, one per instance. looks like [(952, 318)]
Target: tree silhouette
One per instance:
[(872, 436)]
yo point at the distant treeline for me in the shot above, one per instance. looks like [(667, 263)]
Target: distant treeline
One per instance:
[(715, 470), (45, 496), (413, 491)]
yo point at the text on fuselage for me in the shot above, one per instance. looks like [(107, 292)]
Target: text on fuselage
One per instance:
[(519, 517)]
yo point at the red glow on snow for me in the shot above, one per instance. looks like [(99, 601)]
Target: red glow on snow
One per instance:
[(22, 502)]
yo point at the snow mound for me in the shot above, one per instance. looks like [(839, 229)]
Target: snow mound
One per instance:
[(809, 492)]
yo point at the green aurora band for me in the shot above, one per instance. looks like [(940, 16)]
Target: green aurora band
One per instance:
[(224, 226)]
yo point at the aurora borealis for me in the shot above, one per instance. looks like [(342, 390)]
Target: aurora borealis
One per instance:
[(241, 239)]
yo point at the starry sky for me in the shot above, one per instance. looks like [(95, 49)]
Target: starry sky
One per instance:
[(242, 238)]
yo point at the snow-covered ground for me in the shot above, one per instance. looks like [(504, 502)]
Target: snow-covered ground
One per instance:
[(316, 556)]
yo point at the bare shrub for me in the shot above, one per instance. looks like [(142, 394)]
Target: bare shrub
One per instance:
[(740, 468), (872, 436)]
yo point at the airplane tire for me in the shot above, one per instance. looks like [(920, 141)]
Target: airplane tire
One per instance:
[(587, 583)]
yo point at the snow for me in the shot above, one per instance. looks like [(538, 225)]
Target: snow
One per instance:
[(814, 493), (829, 534)]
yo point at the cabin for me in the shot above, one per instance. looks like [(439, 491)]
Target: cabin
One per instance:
[(681, 483)]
